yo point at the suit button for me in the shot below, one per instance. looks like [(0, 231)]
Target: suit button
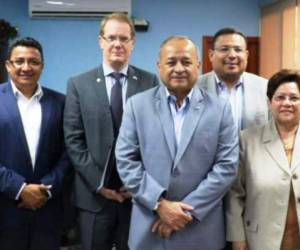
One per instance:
[(298, 199), (295, 176), (248, 223), (175, 173)]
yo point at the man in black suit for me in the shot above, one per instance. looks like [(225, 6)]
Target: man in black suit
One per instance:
[(93, 113)]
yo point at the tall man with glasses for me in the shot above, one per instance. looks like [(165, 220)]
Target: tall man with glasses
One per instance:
[(33, 159), (93, 113), (246, 92)]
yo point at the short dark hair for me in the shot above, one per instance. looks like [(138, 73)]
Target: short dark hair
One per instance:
[(281, 77), (121, 17), (227, 31), (26, 42)]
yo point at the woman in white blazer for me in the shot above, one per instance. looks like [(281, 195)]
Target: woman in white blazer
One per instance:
[(263, 206)]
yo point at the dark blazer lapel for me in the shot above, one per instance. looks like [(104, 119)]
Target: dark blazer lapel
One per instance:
[(132, 82), (10, 102), (190, 122), (46, 107), (166, 120), (274, 146), (99, 87)]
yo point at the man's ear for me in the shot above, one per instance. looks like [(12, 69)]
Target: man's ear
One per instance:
[(211, 54)]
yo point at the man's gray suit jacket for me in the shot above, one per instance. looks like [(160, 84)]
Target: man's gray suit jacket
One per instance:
[(198, 173), (255, 104), (88, 130)]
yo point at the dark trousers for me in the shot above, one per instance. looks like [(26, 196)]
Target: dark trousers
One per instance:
[(109, 227), (29, 239)]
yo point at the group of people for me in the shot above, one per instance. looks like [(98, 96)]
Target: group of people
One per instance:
[(157, 165)]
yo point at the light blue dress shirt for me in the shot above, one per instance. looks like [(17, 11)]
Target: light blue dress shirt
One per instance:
[(178, 113), (235, 96)]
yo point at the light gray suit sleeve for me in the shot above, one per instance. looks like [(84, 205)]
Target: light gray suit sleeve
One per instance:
[(76, 141), (213, 188), (130, 166), (235, 202)]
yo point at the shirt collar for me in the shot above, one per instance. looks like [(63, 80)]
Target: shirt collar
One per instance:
[(188, 97), (223, 85), (107, 70), (37, 94)]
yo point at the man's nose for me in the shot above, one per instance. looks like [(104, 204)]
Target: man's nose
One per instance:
[(232, 52), (179, 67)]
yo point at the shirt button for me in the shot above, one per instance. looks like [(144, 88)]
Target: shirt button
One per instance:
[(295, 176)]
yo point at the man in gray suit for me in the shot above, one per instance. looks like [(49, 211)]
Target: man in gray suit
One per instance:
[(246, 92), (177, 155), (93, 113)]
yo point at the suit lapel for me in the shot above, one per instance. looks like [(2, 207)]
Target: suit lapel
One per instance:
[(274, 146), (132, 82), (46, 107), (99, 87), (296, 156), (211, 83), (10, 103), (190, 122), (248, 90), (166, 120)]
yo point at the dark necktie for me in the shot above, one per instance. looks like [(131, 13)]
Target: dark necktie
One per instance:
[(116, 102), (112, 179)]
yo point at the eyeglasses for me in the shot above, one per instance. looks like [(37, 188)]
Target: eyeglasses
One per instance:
[(21, 62), (226, 50), (121, 39), (282, 98)]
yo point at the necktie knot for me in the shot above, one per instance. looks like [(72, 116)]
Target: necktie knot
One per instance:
[(116, 75)]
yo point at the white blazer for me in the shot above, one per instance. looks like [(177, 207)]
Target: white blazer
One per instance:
[(257, 203)]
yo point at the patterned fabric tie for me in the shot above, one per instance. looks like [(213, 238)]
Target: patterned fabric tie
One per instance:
[(116, 102)]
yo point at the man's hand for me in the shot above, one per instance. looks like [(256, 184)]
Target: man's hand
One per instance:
[(123, 191), (111, 194), (175, 214), (162, 228), (239, 245), (33, 196)]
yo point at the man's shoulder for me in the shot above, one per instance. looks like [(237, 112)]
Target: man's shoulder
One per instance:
[(141, 72), (4, 86), (148, 94), (84, 76), (206, 76), (250, 77), (53, 93)]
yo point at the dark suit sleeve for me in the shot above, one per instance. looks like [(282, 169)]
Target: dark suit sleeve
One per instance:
[(57, 176), (156, 81), (10, 182), (75, 139), (58, 158)]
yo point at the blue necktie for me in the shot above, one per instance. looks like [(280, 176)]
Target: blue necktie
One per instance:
[(116, 102)]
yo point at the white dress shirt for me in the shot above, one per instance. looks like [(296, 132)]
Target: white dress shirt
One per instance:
[(31, 115)]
